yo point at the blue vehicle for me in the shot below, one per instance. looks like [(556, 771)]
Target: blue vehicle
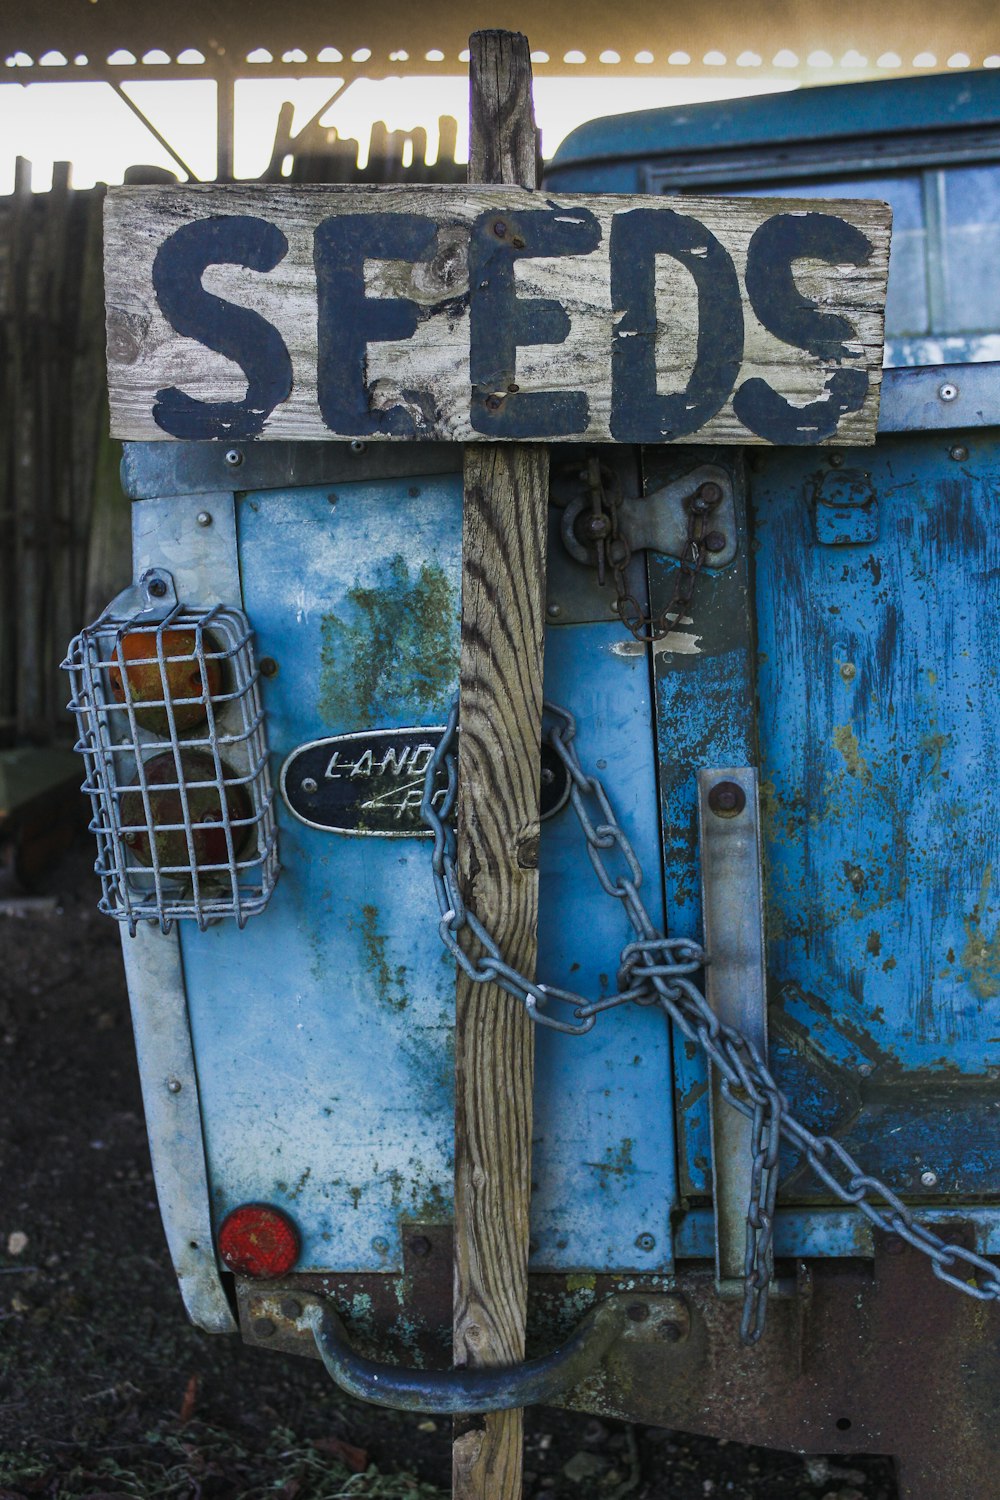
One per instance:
[(804, 759)]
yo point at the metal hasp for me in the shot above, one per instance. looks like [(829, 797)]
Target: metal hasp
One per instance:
[(467, 1390), (735, 987)]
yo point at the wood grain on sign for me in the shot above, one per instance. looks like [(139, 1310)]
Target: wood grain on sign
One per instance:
[(503, 594), (492, 313)]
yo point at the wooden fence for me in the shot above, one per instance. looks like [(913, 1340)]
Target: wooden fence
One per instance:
[(64, 524)]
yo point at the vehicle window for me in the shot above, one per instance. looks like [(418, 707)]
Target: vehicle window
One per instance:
[(970, 248)]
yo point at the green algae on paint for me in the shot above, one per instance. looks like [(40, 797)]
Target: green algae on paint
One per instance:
[(396, 645)]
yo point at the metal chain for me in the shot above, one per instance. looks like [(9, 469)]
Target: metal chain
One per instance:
[(602, 529), (657, 970), (644, 625)]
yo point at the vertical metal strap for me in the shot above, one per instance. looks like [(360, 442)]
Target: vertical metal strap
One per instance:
[(735, 985)]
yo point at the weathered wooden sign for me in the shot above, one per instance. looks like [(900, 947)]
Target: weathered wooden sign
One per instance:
[(485, 313)]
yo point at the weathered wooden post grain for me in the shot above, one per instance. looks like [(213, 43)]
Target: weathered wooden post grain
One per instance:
[(503, 592)]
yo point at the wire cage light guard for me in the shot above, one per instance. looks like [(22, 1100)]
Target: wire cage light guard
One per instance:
[(172, 734)]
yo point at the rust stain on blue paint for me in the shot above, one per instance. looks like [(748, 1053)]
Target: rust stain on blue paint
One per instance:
[(981, 954), (390, 982)]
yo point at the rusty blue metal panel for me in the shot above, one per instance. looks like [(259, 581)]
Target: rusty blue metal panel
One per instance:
[(323, 1031), (880, 740), (876, 707)]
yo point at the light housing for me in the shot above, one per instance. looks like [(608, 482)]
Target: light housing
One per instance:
[(259, 1241), (172, 732)]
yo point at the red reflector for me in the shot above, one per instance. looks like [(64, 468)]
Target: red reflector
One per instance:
[(258, 1240)]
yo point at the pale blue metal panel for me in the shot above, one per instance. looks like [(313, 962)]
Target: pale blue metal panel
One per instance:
[(604, 1140), (323, 1030)]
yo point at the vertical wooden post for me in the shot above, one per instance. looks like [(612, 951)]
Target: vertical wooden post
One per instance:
[(503, 593)]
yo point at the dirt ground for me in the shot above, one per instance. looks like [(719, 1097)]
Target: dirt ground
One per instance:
[(106, 1391)]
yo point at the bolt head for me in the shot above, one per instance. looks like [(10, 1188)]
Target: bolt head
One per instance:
[(715, 542), (672, 1332), (726, 799), (595, 526), (928, 1178), (711, 492), (267, 666), (234, 457), (156, 588), (204, 518), (494, 402), (264, 1328), (291, 1308)]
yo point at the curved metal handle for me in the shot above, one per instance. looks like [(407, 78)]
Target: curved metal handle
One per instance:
[(441, 1392)]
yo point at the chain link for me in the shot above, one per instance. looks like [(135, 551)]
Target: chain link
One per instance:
[(603, 528), (657, 970)]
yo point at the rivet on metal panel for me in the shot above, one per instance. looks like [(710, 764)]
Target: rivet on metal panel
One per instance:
[(672, 1332), (948, 391), (264, 1328), (204, 518), (929, 1178), (357, 446), (553, 611), (174, 1085), (267, 666), (715, 542), (419, 1245), (959, 453), (727, 799), (291, 1308), (309, 785), (645, 1242), (234, 458), (848, 671), (836, 460), (157, 588)]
